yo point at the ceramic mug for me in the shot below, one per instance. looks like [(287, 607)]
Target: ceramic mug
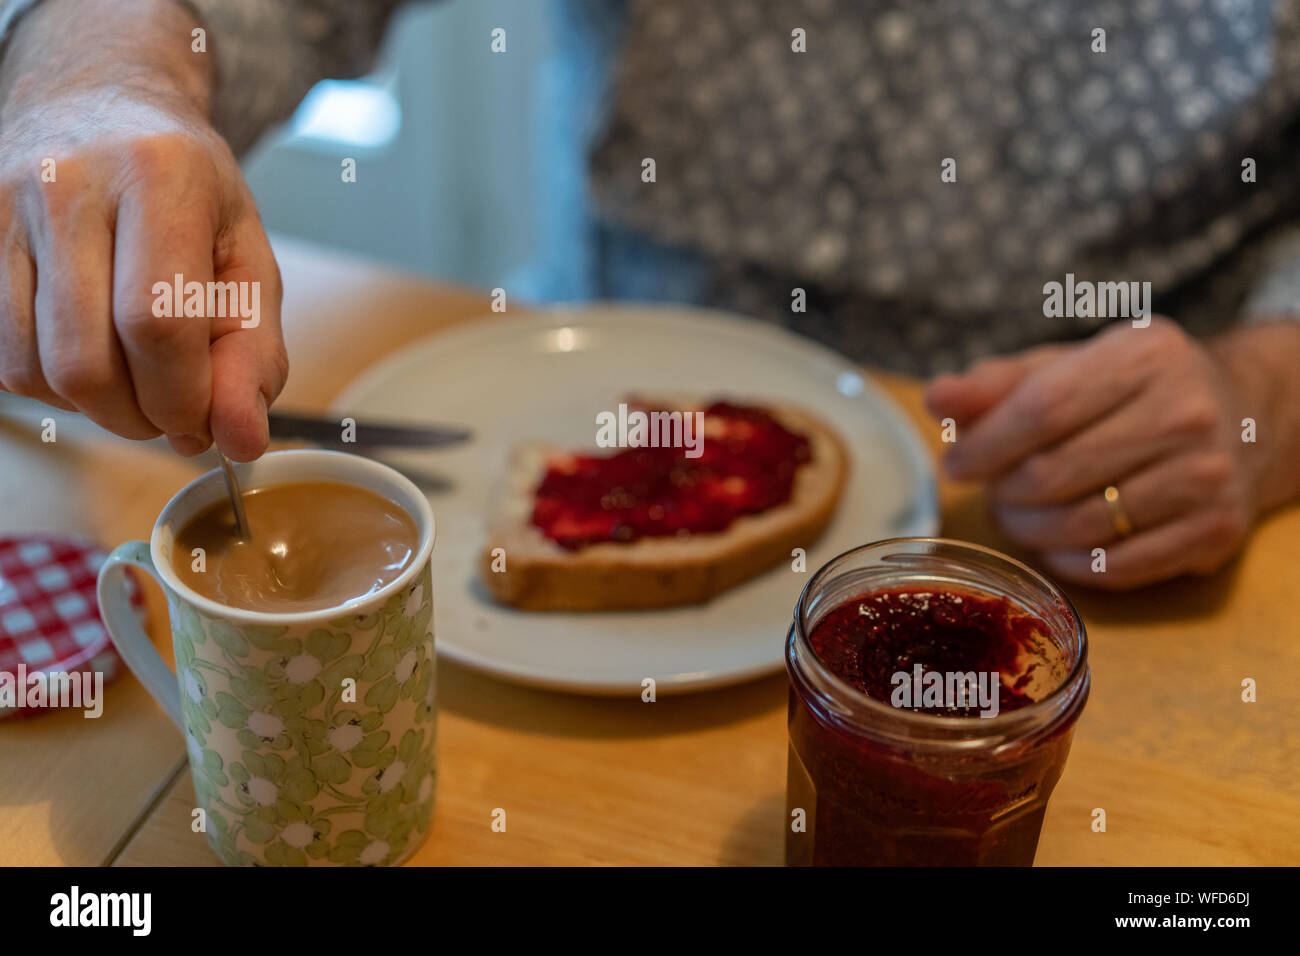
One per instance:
[(310, 735)]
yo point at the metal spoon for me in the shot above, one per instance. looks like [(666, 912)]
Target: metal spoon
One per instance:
[(236, 498)]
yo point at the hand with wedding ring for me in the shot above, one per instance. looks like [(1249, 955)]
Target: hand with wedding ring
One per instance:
[(1131, 441)]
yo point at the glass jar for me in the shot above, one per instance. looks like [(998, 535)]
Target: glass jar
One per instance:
[(882, 785)]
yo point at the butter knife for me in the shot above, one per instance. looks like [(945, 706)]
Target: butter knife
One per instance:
[(328, 432)]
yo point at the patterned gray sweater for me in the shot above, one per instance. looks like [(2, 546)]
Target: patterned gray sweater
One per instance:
[(1120, 157)]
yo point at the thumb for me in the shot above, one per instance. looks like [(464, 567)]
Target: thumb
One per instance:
[(249, 365)]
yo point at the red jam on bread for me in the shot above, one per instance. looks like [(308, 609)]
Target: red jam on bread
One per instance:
[(747, 466)]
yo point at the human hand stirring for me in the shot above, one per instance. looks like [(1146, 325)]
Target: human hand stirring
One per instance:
[(112, 179)]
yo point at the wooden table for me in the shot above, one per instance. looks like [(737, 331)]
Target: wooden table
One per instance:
[(1186, 772)]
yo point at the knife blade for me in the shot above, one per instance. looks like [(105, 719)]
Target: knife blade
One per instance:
[(329, 431)]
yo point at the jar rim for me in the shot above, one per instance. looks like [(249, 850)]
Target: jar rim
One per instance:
[(1043, 711)]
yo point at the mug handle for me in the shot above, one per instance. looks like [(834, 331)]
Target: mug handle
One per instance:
[(123, 623)]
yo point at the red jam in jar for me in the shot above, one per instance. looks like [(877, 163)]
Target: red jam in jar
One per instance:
[(873, 637), (747, 465), (895, 761)]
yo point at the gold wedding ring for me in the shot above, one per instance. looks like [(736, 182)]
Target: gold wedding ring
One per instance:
[(1118, 514)]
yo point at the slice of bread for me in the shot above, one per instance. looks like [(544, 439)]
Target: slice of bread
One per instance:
[(656, 572)]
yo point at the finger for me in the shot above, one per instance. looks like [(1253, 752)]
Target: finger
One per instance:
[(158, 238), (20, 357), (248, 375), (1134, 434), (249, 365), (1156, 495), (80, 356), (967, 396), (1072, 390), (1197, 543), (189, 445)]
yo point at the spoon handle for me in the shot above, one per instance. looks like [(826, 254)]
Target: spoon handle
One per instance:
[(236, 498)]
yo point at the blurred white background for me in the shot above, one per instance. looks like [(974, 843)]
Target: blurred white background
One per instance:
[(470, 164)]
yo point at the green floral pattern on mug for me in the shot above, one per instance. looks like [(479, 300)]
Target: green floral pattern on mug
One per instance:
[(308, 776)]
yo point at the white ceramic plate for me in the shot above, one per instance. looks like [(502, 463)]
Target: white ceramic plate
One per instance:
[(545, 376)]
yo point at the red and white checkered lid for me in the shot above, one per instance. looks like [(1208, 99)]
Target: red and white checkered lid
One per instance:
[(49, 615)]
